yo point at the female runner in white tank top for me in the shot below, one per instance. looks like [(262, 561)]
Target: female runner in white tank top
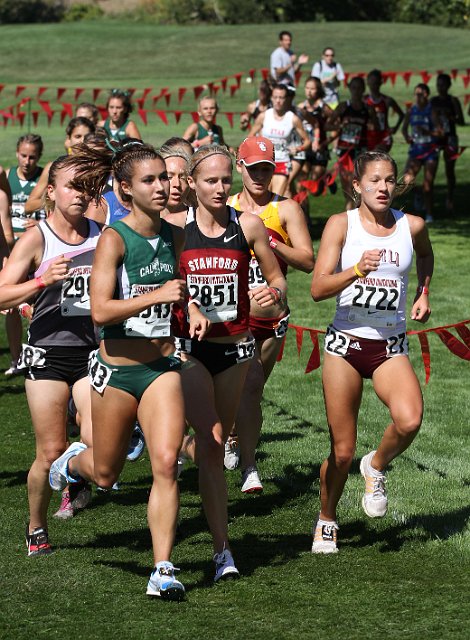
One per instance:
[(364, 258)]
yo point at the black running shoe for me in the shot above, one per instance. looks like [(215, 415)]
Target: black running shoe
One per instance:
[(37, 542)]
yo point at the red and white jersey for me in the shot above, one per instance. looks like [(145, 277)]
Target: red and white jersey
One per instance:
[(280, 132), (216, 273), (374, 307)]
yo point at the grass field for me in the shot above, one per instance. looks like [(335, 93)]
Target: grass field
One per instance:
[(406, 576)]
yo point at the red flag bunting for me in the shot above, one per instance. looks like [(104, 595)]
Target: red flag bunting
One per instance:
[(68, 108), (210, 86), (393, 76), (2, 86), (96, 93), (19, 89), (63, 115), (195, 116), (281, 350), (177, 116), (233, 89), (103, 111), (181, 92), (453, 344), (300, 197), (60, 93), (131, 91), (216, 89), (251, 73), (298, 75), (425, 354), (143, 114), (140, 102), (406, 75), (162, 116), (453, 73), (21, 116), (78, 92), (223, 82), (265, 73), (35, 116), (464, 333), (197, 91), (314, 360), (167, 97), (229, 115), (41, 90), (466, 98), (299, 336), (426, 76), (146, 92), (466, 80), (49, 118), (238, 78), (46, 107)]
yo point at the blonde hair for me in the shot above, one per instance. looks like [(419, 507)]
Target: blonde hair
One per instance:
[(206, 151)]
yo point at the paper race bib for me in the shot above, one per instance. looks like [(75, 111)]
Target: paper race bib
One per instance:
[(282, 326), (31, 357), (75, 293), (98, 373), (336, 342), (153, 322), (375, 305), (351, 133), (397, 345), (255, 275), (217, 295), (245, 350)]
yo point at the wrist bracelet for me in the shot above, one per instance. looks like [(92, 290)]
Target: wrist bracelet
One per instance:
[(357, 272), (24, 309), (422, 289), (277, 294), (272, 244), (194, 301), (40, 282)]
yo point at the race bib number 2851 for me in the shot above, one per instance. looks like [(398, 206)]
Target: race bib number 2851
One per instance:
[(217, 295)]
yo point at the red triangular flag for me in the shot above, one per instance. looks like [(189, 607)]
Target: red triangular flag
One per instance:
[(197, 91), (265, 73), (60, 93), (78, 92), (181, 92), (314, 360), (238, 78), (251, 73), (223, 82), (167, 97), (20, 115), (425, 354), (68, 108), (195, 116), (41, 90), (453, 73), (96, 93), (426, 76), (35, 116), (229, 115), (233, 89), (19, 89), (406, 75), (162, 116), (143, 114)]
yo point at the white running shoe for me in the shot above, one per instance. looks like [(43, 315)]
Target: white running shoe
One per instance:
[(225, 568), (374, 500), (136, 444), (232, 453), (59, 476), (251, 482), (162, 582), (325, 537), (13, 370)]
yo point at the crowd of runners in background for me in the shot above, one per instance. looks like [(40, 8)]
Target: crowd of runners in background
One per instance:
[(156, 299)]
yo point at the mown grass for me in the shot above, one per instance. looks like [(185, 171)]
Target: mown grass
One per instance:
[(405, 576)]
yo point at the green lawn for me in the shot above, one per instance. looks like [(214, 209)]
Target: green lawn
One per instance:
[(405, 576)]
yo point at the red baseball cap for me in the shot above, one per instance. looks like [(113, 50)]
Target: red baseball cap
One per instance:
[(256, 149)]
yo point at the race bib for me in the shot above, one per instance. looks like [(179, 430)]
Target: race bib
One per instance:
[(31, 357), (280, 329), (245, 350), (336, 342), (153, 322), (217, 295), (98, 373), (255, 275), (351, 133), (375, 306), (420, 138), (75, 293), (397, 345)]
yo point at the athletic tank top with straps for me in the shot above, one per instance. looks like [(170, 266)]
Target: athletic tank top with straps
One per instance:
[(20, 192), (374, 307), (272, 222), (216, 272), (147, 264), (62, 311), (421, 119), (353, 127), (279, 132), (115, 134), (202, 132)]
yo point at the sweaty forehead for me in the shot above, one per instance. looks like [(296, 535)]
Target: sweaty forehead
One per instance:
[(378, 168)]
